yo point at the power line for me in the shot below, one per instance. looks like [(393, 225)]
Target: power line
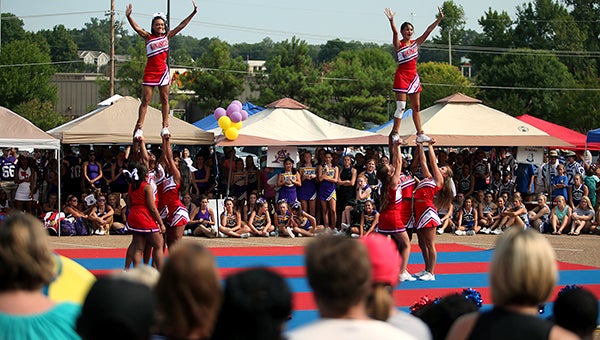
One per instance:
[(42, 63)]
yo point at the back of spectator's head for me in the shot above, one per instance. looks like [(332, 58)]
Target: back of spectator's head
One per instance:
[(256, 304), (188, 292), (577, 310), (339, 273), (523, 269), (117, 308), (440, 316), (385, 263), (142, 274), (26, 260)]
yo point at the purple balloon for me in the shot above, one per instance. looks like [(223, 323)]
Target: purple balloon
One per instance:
[(238, 104), (236, 116), (231, 108), (244, 114), (219, 112)]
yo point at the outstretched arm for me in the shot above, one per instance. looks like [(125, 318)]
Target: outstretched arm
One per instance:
[(420, 40), (437, 174), (396, 154), (170, 162), (134, 24), (184, 23), (390, 15)]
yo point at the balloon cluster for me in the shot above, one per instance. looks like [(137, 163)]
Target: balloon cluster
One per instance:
[(230, 119)]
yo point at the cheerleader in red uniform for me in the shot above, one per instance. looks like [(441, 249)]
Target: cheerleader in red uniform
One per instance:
[(168, 191), (143, 220), (156, 72), (426, 219), (406, 80), (390, 218)]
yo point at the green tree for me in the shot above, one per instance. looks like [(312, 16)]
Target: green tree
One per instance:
[(26, 73), (219, 79), (62, 46), (41, 114), (441, 80), (526, 70), (356, 87), (130, 73), (290, 73), (453, 26), (12, 28)]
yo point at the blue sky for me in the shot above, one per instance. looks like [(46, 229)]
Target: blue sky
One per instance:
[(315, 21)]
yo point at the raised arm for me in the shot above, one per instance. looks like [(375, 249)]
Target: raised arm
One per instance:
[(390, 15), (396, 154), (184, 23), (437, 174), (142, 33), (420, 40), (169, 160)]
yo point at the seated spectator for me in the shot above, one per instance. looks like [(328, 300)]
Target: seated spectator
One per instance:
[(369, 219), (119, 215), (256, 305), (516, 215), (74, 215), (231, 224), (385, 264), (561, 215), (202, 220), (50, 206), (339, 274), (26, 265), (363, 192), (283, 219), (539, 216), (467, 219), (188, 202), (485, 210), (577, 310), (496, 227), (457, 204), (260, 220), (577, 191), (102, 216), (303, 223), (117, 308), (582, 217), (523, 273), (186, 306)]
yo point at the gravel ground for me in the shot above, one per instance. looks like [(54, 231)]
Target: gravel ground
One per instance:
[(583, 249)]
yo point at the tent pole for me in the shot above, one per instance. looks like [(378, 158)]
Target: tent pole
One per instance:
[(230, 172), (59, 158), (217, 175)]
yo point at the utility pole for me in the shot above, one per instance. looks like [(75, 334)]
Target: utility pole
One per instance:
[(450, 46), (112, 48)]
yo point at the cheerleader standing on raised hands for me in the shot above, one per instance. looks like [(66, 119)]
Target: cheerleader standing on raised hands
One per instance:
[(156, 72), (406, 80)]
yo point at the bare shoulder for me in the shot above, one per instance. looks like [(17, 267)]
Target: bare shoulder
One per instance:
[(463, 326), (558, 332)]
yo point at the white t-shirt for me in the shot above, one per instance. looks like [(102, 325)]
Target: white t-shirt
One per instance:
[(348, 329)]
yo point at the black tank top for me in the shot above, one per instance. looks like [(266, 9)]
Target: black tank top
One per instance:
[(499, 323)]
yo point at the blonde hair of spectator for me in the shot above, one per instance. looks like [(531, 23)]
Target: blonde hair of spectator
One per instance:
[(523, 269), (142, 274), (26, 260)]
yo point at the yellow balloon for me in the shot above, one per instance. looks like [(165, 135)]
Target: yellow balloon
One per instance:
[(237, 125), (231, 133), (224, 122)]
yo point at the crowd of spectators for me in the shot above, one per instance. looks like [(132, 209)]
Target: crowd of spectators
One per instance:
[(330, 187)]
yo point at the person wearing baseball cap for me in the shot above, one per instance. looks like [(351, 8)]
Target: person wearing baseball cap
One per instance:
[(385, 265)]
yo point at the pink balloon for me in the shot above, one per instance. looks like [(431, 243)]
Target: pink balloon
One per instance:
[(238, 104), (244, 114), (219, 112), (236, 116), (231, 108)]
